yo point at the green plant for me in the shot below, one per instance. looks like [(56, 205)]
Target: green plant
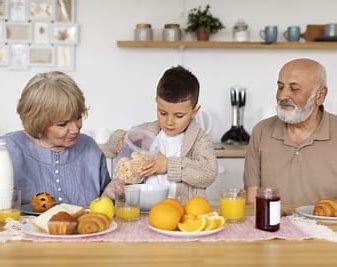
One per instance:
[(198, 17)]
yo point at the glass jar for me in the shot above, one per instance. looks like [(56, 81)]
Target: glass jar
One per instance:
[(267, 209), (143, 32), (171, 32), (240, 31)]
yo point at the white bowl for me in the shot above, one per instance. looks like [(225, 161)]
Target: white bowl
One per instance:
[(150, 194)]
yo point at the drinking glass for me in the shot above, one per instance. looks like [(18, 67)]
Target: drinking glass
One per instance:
[(127, 202), (232, 204), (10, 205)]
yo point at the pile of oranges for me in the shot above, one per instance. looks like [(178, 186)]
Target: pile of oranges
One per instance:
[(196, 216)]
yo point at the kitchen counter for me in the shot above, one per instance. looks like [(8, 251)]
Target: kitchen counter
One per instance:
[(221, 151)]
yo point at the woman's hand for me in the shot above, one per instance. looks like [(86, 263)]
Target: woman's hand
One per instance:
[(120, 144), (158, 166), (115, 186)]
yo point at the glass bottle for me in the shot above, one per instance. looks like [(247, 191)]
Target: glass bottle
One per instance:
[(267, 209), (240, 31), (6, 176)]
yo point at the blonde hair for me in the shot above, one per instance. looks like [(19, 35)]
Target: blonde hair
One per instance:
[(48, 98)]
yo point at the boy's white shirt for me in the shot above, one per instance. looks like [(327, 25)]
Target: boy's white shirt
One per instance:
[(169, 146)]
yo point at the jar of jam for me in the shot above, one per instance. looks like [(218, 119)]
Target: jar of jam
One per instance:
[(267, 209)]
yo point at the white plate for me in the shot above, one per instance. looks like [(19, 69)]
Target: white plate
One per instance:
[(307, 211), (185, 234), (29, 229)]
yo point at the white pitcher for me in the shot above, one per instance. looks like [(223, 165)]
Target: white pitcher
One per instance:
[(204, 119)]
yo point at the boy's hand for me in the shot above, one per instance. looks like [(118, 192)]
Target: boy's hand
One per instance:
[(120, 144), (158, 166)]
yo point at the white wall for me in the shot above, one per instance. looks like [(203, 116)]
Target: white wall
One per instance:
[(119, 84)]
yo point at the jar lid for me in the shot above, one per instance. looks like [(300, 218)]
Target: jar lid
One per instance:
[(171, 26), (240, 25), (143, 25)]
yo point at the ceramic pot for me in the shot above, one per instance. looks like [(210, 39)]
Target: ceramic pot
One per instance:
[(202, 35)]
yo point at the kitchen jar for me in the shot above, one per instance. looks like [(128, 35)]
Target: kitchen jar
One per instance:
[(267, 209), (143, 32), (240, 31), (171, 32)]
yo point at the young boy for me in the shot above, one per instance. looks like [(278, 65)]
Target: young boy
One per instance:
[(186, 160)]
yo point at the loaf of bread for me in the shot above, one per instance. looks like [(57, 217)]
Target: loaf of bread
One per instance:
[(41, 202), (326, 207), (92, 223), (62, 223), (41, 221)]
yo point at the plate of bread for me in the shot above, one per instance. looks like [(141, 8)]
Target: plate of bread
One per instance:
[(324, 209), (69, 221)]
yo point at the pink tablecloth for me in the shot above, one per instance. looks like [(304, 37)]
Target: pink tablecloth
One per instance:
[(139, 232)]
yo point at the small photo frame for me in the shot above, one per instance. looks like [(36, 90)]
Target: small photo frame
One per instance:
[(18, 32), (4, 55), (65, 34), (17, 10), (42, 56), (41, 33), (41, 10), (3, 9), (65, 57), (65, 11), (2, 32), (18, 56)]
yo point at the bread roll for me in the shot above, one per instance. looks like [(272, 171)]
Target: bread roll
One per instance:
[(62, 223)]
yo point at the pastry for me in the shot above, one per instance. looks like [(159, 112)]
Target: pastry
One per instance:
[(92, 223), (62, 223), (41, 202), (326, 207)]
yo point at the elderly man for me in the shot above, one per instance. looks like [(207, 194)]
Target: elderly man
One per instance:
[(295, 151)]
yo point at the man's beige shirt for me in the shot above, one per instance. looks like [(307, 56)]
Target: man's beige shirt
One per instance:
[(302, 173)]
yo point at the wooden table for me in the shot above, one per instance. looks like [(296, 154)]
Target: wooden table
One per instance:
[(187, 254)]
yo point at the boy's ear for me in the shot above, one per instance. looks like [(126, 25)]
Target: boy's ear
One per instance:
[(195, 110)]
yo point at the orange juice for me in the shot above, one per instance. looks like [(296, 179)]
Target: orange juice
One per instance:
[(9, 213), (232, 208), (127, 213)]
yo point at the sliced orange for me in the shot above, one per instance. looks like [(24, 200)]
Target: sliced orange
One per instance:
[(187, 217), (196, 225)]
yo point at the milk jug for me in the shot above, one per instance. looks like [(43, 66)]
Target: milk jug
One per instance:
[(6, 177)]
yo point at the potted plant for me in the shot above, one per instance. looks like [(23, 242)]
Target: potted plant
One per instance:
[(202, 22)]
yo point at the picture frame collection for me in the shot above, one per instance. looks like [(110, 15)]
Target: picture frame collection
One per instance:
[(38, 33)]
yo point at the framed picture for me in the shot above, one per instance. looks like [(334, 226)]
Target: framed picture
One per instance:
[(18, 32), (41, 33), (65, 57), (41, 56), (41, 9), (2, 32), (17, 10), (18, 56), (65, 11), (4, 55), (3, 9), (65, 34)]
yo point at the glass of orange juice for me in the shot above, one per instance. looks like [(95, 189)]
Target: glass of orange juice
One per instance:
[(127, 204), (10, 205), (232, 204)]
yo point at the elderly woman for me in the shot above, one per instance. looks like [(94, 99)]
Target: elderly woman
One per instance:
[(50, 154)]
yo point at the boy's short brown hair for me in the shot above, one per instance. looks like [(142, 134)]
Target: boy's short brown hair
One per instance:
[(178, 85), (48, 98)]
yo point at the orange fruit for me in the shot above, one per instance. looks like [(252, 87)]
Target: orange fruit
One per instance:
[(164, 216), (175, 203), (198, 205), (214, 222), (196, 225)]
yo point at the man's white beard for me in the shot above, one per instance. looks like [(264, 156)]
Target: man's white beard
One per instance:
[(297, 114)]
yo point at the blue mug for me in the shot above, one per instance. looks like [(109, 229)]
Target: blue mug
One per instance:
[(293, 33), (269, 34)]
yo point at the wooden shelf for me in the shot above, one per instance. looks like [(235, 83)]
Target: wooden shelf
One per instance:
[(226, 45)]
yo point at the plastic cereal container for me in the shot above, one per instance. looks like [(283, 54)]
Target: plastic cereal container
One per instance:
[(139, 150)]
